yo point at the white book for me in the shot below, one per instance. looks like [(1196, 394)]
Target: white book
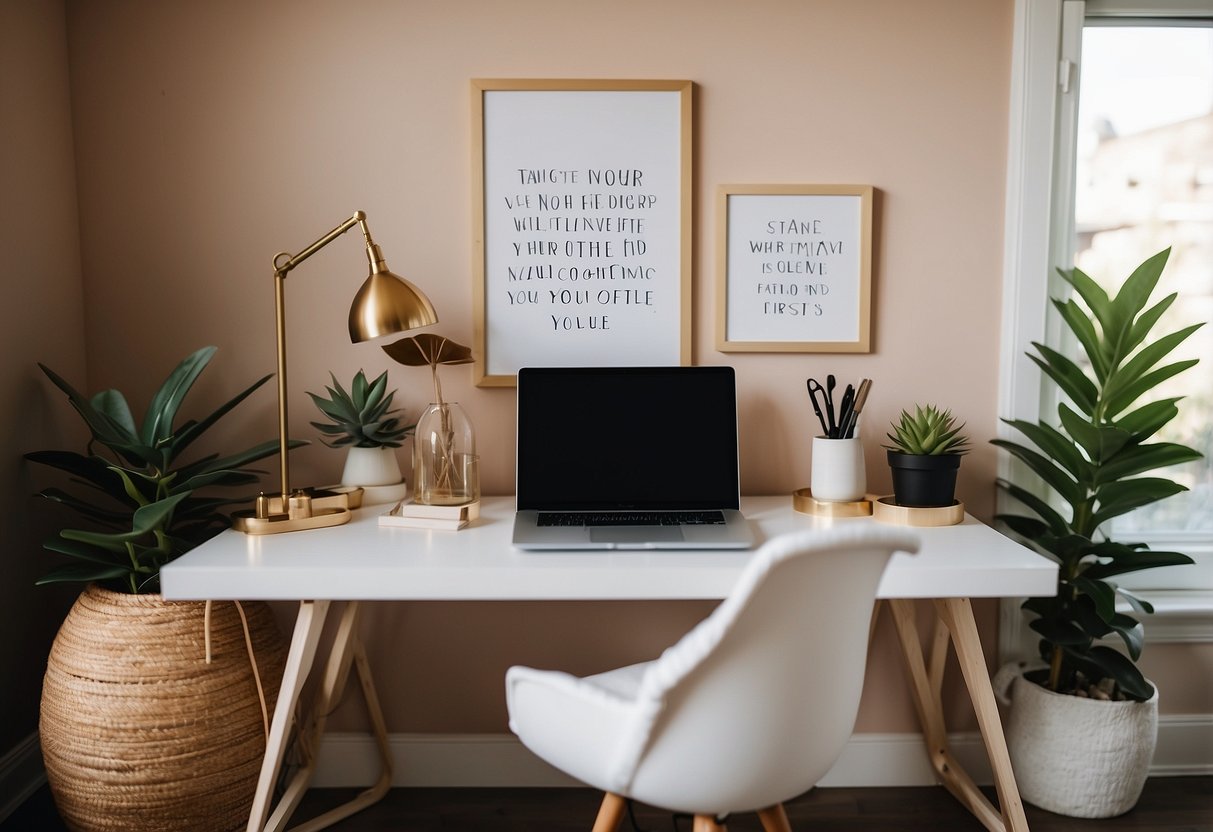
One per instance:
[(390, 519), (466, 512)]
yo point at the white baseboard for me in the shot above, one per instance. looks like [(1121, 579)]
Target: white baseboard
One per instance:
[(21, 774), (1185, 747)]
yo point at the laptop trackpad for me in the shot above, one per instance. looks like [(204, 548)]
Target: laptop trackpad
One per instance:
[(635, 534)]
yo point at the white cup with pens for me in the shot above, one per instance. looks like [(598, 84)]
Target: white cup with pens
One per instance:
[(838, 471)]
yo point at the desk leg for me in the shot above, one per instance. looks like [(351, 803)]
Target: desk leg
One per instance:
[(309, 622), (347, 651), (955, 620)]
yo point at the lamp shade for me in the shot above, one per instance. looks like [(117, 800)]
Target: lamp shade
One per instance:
[(386, 304)]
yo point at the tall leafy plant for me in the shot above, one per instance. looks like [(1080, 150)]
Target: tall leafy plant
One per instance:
[(140, 503), (1094, 462)]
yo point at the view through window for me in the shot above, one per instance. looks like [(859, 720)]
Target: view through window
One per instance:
[(1144, 182)]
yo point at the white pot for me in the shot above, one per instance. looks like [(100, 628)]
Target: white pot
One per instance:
[(371, 466), (1084, 758), (838, 473)]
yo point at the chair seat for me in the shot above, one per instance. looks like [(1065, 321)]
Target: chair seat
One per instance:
[(569, 721)]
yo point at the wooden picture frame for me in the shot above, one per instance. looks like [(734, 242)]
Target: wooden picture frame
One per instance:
[(794, 268), (581, 203)]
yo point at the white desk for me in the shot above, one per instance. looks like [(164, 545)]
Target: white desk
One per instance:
[(363, 561)]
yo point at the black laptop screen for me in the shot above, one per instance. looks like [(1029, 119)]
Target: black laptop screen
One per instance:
[(605, 438)]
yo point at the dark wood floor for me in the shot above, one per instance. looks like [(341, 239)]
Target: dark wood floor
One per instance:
[(1172, 804)]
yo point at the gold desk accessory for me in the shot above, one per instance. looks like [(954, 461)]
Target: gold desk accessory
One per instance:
[(804, 502), (385, 304), (887, 511)]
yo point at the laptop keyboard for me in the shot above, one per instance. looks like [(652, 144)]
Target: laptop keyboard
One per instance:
[(630, 518)]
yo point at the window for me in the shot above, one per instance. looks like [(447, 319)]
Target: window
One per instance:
[(1110, 161), (1143, 181)]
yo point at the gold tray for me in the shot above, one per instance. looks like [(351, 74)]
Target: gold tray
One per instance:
[(886, 511), (804, 502)]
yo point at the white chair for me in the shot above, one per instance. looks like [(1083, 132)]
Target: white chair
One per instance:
[(749, 709)]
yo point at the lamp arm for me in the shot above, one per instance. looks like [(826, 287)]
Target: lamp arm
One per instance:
[(280, 271), (294, 260)]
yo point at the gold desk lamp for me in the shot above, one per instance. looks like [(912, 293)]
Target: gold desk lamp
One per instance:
[(385, 304)]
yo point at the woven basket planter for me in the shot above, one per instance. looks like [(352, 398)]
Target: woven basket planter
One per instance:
[(138, 731)]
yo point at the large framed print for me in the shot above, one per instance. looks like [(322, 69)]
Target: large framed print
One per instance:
[(582, 222), (794, 268)]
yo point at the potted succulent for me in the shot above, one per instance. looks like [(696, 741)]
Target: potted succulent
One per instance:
[(925, 456), (127, 666), (1073, 752), (363, 421), (445, 464)]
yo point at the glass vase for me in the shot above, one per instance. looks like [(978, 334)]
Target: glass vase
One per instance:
[(446, 469)]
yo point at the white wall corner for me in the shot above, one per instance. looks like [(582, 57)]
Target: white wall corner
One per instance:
[(21, 774)]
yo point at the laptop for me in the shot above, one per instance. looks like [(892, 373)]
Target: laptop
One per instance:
[(628, 458)]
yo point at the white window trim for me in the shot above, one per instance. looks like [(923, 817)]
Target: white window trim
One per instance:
[(1038, 74)]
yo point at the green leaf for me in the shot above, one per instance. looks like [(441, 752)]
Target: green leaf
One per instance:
[(1083, 432), (1092, 294), (1104, 661), (83, 551), (1057, 524), (1085, 332), (1130, 631), (162, 410), (1073, 382), (1137, 289), (112, 405), (1059, 632), (1141, 363), (1055, 477), (1117, 498), (1142, 326), (1100, 593), (1144, 385), (187, 435), (85, 508), (1131, 561), (1148, 419), (1141, 605), (85, 572), (1056, 445), (1137, 459)]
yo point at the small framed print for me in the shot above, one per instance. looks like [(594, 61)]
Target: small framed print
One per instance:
[(794, 268)]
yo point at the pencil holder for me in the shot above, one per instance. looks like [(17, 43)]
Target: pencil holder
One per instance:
[(838, 473)]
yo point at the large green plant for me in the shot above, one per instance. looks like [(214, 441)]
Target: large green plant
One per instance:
[(139, 502), (1093, 461)]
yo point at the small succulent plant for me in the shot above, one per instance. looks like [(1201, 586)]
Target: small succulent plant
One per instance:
[(362, 417), (928, 432)]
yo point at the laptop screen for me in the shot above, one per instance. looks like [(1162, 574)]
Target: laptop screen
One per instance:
[(606, 438)]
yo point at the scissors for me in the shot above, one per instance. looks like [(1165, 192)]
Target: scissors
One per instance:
[(827, 427)]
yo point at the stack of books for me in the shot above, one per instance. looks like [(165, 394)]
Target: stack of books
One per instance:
[(417, 516)]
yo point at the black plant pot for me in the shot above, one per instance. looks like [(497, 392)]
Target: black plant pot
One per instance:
[(924, 481)]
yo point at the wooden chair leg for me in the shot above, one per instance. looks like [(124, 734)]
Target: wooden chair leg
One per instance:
[(609, 813), (775, 819), (707, 823)]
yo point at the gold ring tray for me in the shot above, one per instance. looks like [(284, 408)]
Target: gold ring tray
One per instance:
[(886, 511), (804, 502)]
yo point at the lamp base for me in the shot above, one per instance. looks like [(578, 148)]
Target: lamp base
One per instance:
[(302, 510)]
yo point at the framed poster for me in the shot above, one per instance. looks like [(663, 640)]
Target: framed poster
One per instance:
[(794, 268), (582, 220)]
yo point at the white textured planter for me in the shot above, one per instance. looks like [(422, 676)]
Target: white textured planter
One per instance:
[(1084, 758), (371, 466)]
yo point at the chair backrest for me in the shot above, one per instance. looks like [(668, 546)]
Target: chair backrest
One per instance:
[(755, 703)]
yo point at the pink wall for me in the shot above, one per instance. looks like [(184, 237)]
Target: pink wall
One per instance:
[(212, 135), (41, 320)]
